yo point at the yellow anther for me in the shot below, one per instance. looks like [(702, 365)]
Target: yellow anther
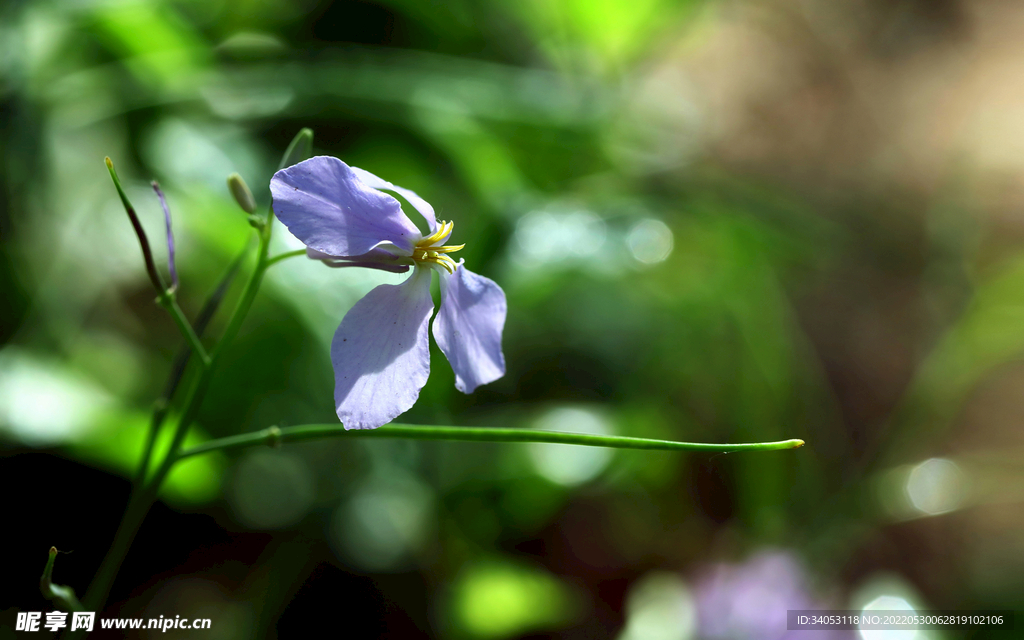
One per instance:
[(425, 251), (442, 232)]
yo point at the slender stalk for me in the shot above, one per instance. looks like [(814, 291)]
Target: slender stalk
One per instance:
[(165, 295), (162, 406), (155, 422), (284, 256), (300, 148), (147, 253), (141, 501), (63, 597), (275, 435), (167, 301)]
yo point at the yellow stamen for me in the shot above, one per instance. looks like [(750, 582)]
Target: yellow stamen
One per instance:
[(448, 248), (444, 230), (425, 252), (442, 260)]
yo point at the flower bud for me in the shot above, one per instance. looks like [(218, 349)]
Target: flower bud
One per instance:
[(241, 193), (170, 236)]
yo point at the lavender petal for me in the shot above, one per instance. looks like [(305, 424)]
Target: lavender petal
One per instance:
[(381, 353), (468, 327), (326, 206), (374, 259), (417, 202)]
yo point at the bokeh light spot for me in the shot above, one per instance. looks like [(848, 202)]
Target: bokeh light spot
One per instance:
[(42, 404), (384, 522), (552, 236), (498, 600), (271, 489), (566, 464), (650, 241), (936, 486), (659, 607), (888, 603)]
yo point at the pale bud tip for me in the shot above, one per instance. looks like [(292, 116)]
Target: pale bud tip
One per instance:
[(240, 191)]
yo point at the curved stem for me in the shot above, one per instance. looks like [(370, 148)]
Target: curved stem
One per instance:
[(141, 501), (275, 435), (169, 302), (165, 296), (140, 233), (62, 596), (284, 256), (181, 360)]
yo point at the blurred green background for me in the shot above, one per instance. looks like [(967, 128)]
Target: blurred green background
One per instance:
[(714, 221)]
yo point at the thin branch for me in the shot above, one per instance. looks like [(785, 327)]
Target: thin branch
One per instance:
[(60, 595), (168, 302), (284, 256), (141, 501), (275, 435), (181, 361), (140, 233)]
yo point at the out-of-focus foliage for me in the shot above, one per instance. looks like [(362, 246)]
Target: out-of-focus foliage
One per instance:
[(714, 222)]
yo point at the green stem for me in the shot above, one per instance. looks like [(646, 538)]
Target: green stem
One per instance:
[(141, 501), (155, 422), (275, 435), (140, 233), (181, 361), (63, 597), (284, 256), (168, 302), (165, 296)]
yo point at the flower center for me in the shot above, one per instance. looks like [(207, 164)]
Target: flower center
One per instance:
[(430, 250)]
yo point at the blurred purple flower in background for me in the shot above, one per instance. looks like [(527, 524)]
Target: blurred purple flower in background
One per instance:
[(381, 351), (749, 601)]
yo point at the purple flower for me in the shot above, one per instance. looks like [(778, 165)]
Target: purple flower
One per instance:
[(380, 352), (750, 601)]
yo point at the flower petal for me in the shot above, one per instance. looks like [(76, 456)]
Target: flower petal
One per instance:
[(417, 202), (381, 353), (326, 206), (468, 327), (375, 259)]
